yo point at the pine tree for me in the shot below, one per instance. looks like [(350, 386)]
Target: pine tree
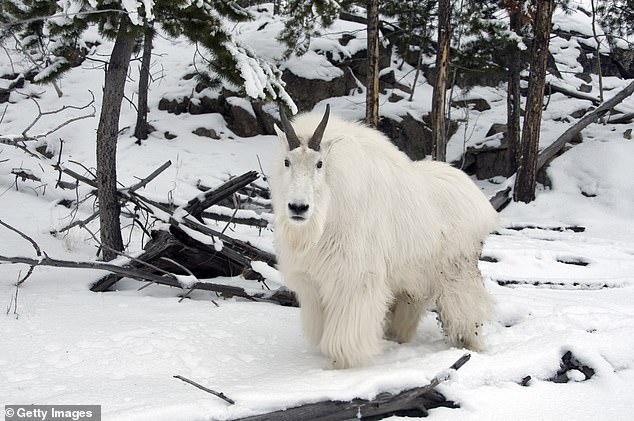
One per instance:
[(617, 16), (18, 26), (141, 127), (438, 116), (527, 167), (372, 83), (304, 19)]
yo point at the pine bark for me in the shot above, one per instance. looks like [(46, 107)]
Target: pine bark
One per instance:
[(372, 92), (439, 123), (141, 128), (107, 133), (527, 166)]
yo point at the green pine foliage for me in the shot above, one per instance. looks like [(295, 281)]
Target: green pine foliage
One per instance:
[(415, 30), (59, 26), (305, 17), (617, 18), (22, 29), (482, 43)]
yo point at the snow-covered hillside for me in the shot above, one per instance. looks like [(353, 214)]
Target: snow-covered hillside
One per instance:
[(561, 270)]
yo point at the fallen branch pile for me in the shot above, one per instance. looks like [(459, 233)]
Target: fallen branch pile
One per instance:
[(186, 249)]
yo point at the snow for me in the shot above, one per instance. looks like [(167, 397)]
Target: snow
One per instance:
[(313, 66), (62, 343)]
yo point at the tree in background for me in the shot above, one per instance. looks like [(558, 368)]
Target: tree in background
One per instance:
[(203, 22), (372, 84), (141, 128), (519, 19), (527, 167), (27, 35), (438, 114), (617, 16), (304, 19), (413, 35)]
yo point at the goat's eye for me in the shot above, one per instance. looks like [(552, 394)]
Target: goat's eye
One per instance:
[(287, 163), (320, 164)]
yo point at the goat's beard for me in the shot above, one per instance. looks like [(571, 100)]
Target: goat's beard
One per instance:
[(298, 238)]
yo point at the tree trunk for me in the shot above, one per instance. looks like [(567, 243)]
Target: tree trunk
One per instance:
[(527, 166), (598, 50), (438, 119), (513, 103), (372, 93), (107, 132), (141, 129)]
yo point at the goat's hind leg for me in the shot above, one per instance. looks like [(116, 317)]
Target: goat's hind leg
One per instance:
[(403, 318), (463, 306)]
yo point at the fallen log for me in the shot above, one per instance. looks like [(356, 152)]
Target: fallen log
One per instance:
[(502, 197), (552, 87), (549, 152), (198, 204), (416, 401)]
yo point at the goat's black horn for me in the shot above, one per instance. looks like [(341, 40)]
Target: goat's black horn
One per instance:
[(291, 137), (315, 141)]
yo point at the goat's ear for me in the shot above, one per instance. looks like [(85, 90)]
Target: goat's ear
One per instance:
[(325, 151), (281, 136)]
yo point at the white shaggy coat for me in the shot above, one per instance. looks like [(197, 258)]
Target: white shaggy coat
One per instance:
[(385, 238)]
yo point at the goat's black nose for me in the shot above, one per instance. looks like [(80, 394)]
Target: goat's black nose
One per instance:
[(298, 208)]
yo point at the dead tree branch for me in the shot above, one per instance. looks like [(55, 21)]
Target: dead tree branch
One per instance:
[(25, 136), (198, 204), (145, 181), (418, 399), (502, 197), (548, 153), (201, 387), (280, 297)]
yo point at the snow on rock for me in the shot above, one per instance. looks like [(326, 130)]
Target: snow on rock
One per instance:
[(242, 103), (312, 66)]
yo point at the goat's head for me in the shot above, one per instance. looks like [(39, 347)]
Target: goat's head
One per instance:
[(303, 170)]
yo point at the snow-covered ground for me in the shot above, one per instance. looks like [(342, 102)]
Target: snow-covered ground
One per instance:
[(62, 344)]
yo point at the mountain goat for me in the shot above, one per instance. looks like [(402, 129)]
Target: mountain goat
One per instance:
[(368, 239)]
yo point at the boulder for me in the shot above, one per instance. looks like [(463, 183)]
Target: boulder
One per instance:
[(205, 132), (5, 94), (476, 104), (490, 159), (585, 88), (308, 92), (412, 136), (241, 118), (174, 106), (579, 113)]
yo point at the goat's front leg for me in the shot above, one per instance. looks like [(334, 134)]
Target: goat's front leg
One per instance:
[(311, 311), (353, 320)]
